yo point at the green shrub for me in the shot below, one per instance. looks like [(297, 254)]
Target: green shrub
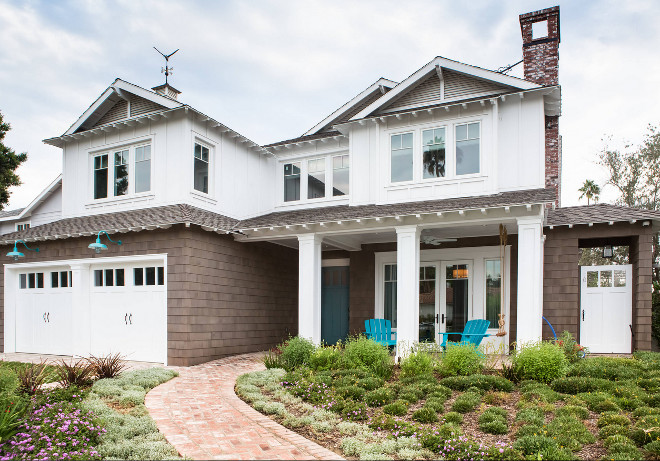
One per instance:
[(441, 391), (542, 362), (351, 392), (645, 411), (649, 384), (356, 411), (578, 384), (461, 359), (296, 352), (425, 415), (616, 419), (398, 408), (325, 358), (484, 382), (619, 451), (534, 391), (493, 421), (370, 383), (435, 404), (534, 444), (620, 439), (572, 350), (570, 432), (653, 448), (361, 352), (416, 364), (466, 402), (409, 396), (610, 368), (534, 416), (435, 438), (379, 397), (598, 401), (608, 431), (453, 418), (573, 410), (531, 429)]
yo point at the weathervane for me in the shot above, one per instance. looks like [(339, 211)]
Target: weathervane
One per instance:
[(166, 70)]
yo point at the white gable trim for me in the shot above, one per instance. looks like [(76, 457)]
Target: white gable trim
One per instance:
[(43, 195), (441, 62), (118, 87), (350, 104)]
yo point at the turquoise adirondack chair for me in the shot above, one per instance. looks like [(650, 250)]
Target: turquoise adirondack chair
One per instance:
[(473, 333), (380, 330)]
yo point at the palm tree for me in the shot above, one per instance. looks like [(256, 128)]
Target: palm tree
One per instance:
[(590, 189)]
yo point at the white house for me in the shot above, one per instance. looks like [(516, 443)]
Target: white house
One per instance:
[(427, 202)]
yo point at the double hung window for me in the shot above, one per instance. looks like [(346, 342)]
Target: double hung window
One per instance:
[(316, 178), (112, 172), (291, 181), (201, 168), (433, 153), (340, 175), (467, 148), (402, 157)]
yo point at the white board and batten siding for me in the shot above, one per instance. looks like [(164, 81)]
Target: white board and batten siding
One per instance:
[(65, 308), (606, 308)]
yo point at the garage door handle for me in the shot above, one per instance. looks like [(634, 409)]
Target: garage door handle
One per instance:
[(44, 316), (126, 319), (48, 316), (583, 315), (130, 319)]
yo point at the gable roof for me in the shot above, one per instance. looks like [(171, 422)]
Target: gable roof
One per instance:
[(27, 211), (120, 90), (433, 66), (365, 98)]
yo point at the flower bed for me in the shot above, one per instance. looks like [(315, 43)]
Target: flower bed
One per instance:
[(350, 399)]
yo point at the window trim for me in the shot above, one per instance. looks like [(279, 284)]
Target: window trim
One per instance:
[(400, 132), (110, 150), (23, 223), (468, 175), (211, 146)]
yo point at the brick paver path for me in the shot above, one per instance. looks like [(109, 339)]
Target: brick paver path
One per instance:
[(201, 416)]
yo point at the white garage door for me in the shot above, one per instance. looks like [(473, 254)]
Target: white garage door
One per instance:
[(127, 311), (606, 309), (43, 314), (122, 310)]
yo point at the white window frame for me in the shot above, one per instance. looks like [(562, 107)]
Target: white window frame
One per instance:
[(324, 161), (211, 147), (332, 172), (22, 223), (110, 150), (450, 151), (304, 173)]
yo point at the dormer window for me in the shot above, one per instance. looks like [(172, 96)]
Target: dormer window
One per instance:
[(131, 171)]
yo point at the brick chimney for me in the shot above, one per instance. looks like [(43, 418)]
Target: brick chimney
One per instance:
[(540, 36)]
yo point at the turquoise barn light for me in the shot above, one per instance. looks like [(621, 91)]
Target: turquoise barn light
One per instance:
[(98, 247), (17, 254)]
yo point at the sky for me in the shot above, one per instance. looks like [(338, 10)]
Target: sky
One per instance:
[(272, 69)]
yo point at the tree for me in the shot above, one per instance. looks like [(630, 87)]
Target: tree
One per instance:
[(9, 161), (589, 189)]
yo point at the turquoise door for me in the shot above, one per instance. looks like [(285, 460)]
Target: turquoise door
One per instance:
[(334, 304)]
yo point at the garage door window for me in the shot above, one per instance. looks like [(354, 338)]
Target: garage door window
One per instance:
[(60, 279), (109, 278), (149, 276), (31, 280)]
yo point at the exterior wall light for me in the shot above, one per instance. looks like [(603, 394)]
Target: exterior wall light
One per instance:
[(17, 254), (98, 246), (608, 252)]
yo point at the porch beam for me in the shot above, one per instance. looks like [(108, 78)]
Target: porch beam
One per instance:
[(530, 279), (309, 287), (407, 297)]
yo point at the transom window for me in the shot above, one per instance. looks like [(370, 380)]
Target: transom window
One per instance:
[(149, 276), (31, 280), (62, 279), (402, 157), (201, 168), (433, 153), (130, 162), (109, 277)]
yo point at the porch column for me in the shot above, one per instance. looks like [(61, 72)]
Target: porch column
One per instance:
[(530, 279), (81, 340), (407, 296), (309, 287)]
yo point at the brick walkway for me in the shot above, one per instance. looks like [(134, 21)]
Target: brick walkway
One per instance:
[(201, 416)]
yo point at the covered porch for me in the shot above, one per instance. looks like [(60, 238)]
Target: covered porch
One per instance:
[(427, 272)]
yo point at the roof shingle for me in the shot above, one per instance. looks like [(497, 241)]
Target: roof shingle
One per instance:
[(598, 213)]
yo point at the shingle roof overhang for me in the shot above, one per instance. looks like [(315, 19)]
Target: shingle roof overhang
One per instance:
[(599, 213)]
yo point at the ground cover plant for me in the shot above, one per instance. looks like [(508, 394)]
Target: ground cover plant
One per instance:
[(549, 403), (71, 418)]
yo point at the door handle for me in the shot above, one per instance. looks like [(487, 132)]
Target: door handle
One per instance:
[(443, 318), (583, 315), (126, 318), (44, 317), (436, 318), (48, 316), (130, 319)]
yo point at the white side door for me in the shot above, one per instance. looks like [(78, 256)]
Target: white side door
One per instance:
[(606, 308)]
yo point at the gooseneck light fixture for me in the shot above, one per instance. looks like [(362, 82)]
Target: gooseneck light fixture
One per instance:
[(17, 254), (98, 247)]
